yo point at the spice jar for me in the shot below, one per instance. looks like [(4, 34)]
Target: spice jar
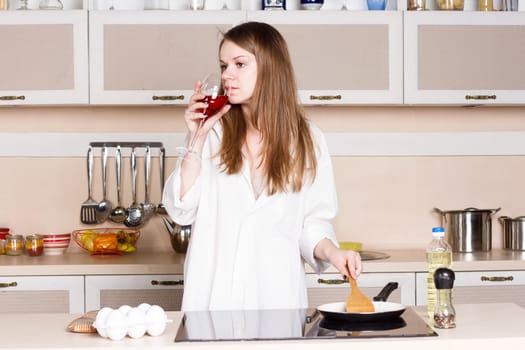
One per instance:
[(14, 245), (485, 5), (3, 235), (444, 312), (416, 5), (4, 4), (34, 245)]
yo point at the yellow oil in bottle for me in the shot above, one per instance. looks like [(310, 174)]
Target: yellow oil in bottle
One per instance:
[(438, 254)]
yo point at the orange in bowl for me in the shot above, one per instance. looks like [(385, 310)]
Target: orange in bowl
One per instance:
[(107, 241)]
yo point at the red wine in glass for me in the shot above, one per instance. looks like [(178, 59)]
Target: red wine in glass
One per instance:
[(215, 103)]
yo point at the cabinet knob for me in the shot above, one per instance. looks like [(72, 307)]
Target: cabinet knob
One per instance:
[(7, 285), (12, 98), (167, 98), (496, 278)]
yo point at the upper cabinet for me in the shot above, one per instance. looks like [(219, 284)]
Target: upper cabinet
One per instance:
[(153, 57), (44, 57), (464, 58), (343, 57)]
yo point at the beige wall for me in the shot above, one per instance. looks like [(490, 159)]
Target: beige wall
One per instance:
[(385, 202)]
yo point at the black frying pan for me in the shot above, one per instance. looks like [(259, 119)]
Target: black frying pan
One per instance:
[(384, 310)]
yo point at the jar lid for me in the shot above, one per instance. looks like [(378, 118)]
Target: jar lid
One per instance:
[(11, 236), (3, 235)]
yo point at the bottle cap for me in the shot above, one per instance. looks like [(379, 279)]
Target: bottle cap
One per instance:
[(444, 278), (438, 231)]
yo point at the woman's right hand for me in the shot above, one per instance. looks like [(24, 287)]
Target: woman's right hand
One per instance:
[(194, 117)]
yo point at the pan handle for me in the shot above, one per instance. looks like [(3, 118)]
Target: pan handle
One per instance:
[(386, 291)]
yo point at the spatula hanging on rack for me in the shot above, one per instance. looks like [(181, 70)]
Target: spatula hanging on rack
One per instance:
[(357, 301), (88, 210)]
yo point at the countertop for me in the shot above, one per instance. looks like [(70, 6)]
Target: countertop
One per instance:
[(161, 263), (483, 325)]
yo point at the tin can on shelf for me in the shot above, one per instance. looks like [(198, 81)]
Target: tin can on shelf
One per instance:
[(14, 245), (34, 245)]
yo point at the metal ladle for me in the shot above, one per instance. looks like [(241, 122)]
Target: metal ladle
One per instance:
[(118, 214), (104, 206), (134, 214), (148, 208), (162, 159)]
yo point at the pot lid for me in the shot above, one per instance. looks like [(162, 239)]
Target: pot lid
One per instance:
[(469, 210)]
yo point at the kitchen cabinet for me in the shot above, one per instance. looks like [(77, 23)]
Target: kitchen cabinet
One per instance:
[(465, 58), (369, 283), (117, 290), (42, 294), (341, 57), (153, 57), (44, 58), (481, 287)]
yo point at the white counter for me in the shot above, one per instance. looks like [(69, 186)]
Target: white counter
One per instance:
[(172, 263), (485, 325)]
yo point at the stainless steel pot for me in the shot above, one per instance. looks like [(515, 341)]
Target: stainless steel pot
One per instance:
[(468, 230), (513, 232)]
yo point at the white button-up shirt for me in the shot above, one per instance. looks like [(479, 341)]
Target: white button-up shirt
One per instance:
[(247, 252)]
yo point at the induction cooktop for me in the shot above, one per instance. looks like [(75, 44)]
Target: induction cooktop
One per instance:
[(291, 324)]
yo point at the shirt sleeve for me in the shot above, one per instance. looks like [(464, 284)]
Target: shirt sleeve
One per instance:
[(320, 206), (181, 210)]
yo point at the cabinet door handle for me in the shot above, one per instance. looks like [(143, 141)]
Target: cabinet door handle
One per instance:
[(7, 285), (496, 278), (11, 98), (167, 283), (480, 97), (325, 97), (167, 98)]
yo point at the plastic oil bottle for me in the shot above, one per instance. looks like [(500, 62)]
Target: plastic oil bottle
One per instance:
[(438, 254)]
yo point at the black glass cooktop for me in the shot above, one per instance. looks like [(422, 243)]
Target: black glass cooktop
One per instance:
[(291, 324)]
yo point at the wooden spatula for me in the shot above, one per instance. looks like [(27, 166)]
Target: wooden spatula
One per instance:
[(357, 301)]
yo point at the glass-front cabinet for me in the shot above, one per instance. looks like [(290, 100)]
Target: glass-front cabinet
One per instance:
[(153, 57), (343, 57), (464, 58), (43, 57)]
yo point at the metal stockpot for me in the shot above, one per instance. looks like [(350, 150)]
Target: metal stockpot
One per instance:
[(468, 230), (513, 232)]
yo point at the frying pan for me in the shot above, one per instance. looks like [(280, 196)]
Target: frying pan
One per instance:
[(384, 310)]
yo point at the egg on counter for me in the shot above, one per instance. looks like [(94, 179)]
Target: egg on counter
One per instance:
[(100, 321), (116, 325), (136, 323), (156, 320)]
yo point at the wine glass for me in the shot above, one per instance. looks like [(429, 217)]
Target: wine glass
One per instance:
[(214, 97)]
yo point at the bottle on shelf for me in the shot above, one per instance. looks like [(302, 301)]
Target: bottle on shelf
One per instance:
[(444, 312), (438, 254)]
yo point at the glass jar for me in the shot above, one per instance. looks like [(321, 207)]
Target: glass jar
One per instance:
[(3, 235), (444, 312), (485, 5), (416, 5), (34, 245), (14, 245), (451, 5), (4, 4), (50, 5)]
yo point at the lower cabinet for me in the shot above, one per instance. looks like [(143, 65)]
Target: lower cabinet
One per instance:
[(370, 284), (481, 287), (115, 291), (42, 294)]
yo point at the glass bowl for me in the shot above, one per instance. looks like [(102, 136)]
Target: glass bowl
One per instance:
[(107, 241)]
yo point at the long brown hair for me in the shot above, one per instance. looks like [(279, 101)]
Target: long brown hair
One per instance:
[(288, 153)]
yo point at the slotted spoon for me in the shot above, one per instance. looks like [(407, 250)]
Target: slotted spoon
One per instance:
[(88, 210), (357, 301)]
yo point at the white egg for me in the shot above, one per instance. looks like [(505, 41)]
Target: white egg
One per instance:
[(124, 309), (136, 322), (116, 324), (144, 307), (100, 321), (156, 320)]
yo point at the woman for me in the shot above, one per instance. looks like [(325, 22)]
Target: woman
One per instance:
[(257, 186)]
